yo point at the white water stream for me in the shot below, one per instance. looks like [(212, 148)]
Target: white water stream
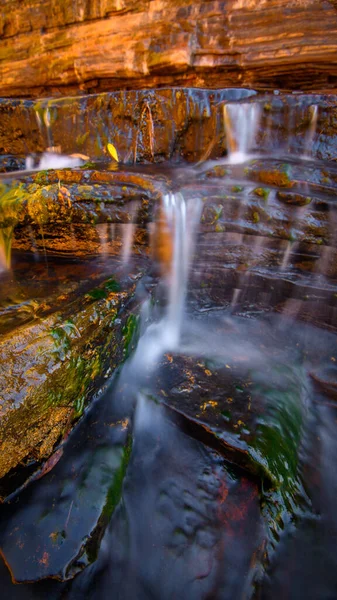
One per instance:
[(241, 124), (53, 160), (311, 132), (243, 120), (163, 335)]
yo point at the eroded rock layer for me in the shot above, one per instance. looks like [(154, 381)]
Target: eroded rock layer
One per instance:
[(62, 48)]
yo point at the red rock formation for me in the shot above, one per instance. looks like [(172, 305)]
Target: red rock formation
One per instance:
[(60, 47)]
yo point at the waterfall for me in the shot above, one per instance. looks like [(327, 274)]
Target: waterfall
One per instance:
[(128, 232), (180, 218), (241, 125), (53, 160), (310, 135), (43, 119)]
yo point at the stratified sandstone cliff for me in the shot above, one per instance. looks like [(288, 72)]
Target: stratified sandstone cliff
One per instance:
[(69, 46)]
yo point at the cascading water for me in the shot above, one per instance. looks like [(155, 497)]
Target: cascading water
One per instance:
[(182, 219), (232, 366), (311, 132), (53, 160), (241, 125), (176, 228)]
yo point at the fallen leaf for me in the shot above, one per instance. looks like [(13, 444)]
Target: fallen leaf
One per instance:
[(112, 151)]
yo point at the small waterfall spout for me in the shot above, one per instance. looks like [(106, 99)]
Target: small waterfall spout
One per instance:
[(176, 228), (241, 125), (310, 135), (43, 118), (54, 160), (182, 218)]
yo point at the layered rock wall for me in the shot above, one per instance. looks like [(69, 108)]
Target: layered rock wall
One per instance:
[(59, 47)]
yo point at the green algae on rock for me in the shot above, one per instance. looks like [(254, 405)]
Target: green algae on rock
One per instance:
[(53, 366), (253, 414), (62, 211)]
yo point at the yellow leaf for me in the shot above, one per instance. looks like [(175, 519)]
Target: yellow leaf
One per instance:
[(112, 151)]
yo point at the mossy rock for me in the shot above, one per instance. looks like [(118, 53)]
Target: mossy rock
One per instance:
[(275, 177), (54, 364), (75, 196), (61, 211)]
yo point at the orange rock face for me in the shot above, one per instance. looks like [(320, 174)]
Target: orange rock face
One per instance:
[(59, 47)]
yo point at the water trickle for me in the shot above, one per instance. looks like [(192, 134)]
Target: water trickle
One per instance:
[(241, 126), (236, 296), (128, 233), (52, 160), (173, 245), (103, 234), (311, 132), (43, 120), (286, 256)]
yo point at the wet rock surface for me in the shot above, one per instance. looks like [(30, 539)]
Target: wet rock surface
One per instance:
[(61, 337), (194, 464), (176, 125), (145, 125), (76, 212), (89, 480), (183, 512)]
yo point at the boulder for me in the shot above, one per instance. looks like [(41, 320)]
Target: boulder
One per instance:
[(61, 339)]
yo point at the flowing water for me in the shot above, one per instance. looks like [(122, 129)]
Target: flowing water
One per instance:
[(206, 467), (241, 124)]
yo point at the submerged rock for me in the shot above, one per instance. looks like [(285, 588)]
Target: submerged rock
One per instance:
[(71, 506), (176, 499), (240, 396)]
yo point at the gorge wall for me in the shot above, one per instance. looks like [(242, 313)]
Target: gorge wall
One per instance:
[(59, 47)]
